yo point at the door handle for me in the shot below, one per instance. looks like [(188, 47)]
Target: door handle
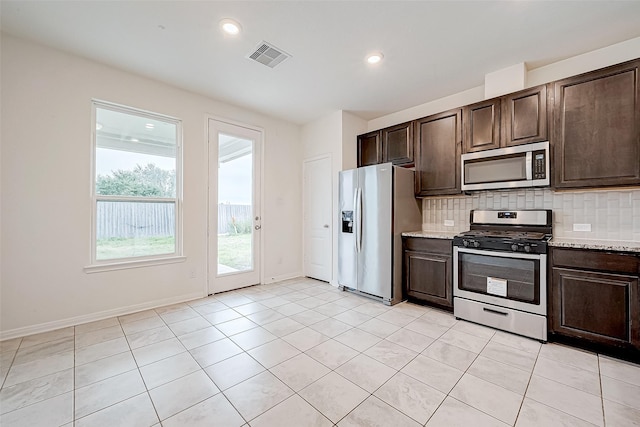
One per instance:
[(257, 227), (528, 166), (501, 313), (359, 223), (355, 218), (326, 226)]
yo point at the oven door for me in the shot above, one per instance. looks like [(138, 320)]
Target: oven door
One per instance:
[(505, 279)]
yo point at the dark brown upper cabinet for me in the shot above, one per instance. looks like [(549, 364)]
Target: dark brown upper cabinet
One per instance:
[(514, 119), (524, 117), (438, 150), (397, 144), (369, 149), (596, 128), (481, 125), (393, 144)]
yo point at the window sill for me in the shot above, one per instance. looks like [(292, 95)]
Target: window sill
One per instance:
[(123, 265)]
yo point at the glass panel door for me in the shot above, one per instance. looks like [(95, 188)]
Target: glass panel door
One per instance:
[(235, 204), (234, 208), (521, 277)]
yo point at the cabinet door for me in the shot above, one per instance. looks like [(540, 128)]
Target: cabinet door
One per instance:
[(524, 117), (369, 149), (481, 125), (438, 154), (596, 306), (428, 277), (397, 144), (596, 128)]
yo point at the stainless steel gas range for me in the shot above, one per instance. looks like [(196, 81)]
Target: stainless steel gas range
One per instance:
[(500, 271)]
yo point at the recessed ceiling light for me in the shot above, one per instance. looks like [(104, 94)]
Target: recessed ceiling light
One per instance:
[(230, 27), (134, 140), (149, 125), (374, 58)]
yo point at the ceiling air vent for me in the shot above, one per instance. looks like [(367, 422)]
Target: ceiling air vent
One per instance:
[(268, 54)]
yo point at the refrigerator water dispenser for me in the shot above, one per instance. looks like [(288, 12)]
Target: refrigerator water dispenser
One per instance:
[(347, 221)]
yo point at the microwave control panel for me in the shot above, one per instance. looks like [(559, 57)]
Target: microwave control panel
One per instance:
[(539, 164)]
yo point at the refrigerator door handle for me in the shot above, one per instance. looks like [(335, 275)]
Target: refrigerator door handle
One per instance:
[(359, 221), (355, 218)]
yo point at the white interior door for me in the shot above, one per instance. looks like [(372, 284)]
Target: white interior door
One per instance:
[(317, 218), (234, 206)]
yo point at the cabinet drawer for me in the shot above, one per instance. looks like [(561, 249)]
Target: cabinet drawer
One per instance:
[(596, 260), (530, 325), (439, 246)]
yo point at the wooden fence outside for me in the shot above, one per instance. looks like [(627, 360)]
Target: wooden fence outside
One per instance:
[(238, 215), (131, 219)]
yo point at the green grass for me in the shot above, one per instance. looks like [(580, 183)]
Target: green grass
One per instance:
[(133, 247), (233, 250)]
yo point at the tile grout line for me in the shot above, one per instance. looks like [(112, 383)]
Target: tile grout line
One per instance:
[(131, 370), (604, 418), (73, 400), (400, 370), (4, 380), (557, 382), (524, 395), (445, 395), (448, 394), (358, 352)]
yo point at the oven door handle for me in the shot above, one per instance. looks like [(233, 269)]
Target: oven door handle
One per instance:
[(489, 310), (501, 254)]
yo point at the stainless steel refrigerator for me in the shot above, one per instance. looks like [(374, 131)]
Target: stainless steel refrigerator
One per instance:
[(377, 204)]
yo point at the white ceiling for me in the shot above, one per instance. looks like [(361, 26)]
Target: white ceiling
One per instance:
[(432, 48)]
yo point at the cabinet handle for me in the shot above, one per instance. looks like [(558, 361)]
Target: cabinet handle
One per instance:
[(501, 313)]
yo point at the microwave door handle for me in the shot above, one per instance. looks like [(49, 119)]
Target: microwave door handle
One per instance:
[(529, 167)]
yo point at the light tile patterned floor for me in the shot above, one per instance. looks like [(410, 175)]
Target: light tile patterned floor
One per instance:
[(302, 353)]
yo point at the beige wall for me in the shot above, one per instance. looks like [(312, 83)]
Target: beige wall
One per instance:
[(45, 198), (334, 135), (589, 61)]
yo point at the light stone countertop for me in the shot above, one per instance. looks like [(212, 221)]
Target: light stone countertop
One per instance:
[(431, 234), (559, 242), (607, 245)]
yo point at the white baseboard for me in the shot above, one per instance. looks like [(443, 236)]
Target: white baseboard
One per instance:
[(268, 280), (86, 318)]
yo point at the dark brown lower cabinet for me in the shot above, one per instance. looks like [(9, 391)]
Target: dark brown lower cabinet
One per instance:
[(595, 297), (427, 271)]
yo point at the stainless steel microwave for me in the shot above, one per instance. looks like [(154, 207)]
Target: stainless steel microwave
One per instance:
[(513, 167)]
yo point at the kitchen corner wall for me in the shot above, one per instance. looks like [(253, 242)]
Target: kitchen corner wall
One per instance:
[(613, 214), (46, 204)]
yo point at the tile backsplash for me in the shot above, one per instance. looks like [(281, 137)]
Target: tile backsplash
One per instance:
[(612, 214)]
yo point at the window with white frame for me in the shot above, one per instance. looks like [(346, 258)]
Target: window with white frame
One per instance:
[(136, 185)]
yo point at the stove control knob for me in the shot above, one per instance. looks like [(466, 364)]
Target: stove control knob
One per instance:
[(476, 244), (514, 247), (465, 243), (527, 248)]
